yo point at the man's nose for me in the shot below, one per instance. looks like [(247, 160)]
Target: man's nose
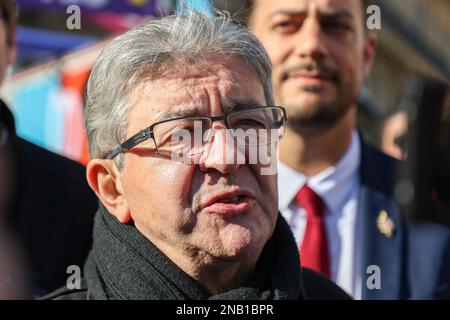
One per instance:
[(310, 40), (221, 153)]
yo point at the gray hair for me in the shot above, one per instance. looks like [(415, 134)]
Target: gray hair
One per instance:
[(140, 53)]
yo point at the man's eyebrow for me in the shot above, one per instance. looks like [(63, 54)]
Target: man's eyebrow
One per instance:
[(185, 111), (338, 14), (196, 111), (287, 12), (238, 105)]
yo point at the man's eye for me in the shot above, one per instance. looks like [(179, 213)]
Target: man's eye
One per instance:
[(334, 26), (250, 123), (176, 136), (183, 130), (185, 125), (287, 27)]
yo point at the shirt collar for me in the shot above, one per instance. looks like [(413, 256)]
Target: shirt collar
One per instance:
[(344, 173)]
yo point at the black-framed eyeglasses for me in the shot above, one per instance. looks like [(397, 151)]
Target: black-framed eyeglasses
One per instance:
[(250, 127)]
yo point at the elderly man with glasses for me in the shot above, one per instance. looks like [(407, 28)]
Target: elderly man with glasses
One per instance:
[(181, 125)]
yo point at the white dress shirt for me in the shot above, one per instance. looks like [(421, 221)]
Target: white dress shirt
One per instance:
[(338, 186)]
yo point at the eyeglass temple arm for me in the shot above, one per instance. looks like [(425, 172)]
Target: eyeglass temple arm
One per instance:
[(130, 143)]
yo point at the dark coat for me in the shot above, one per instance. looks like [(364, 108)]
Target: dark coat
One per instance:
[(52, 212)]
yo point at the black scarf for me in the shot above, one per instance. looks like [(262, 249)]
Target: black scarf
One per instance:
[(123, 264)]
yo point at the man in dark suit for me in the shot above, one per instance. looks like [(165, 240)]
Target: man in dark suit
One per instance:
[(335, 190), (44, 198)]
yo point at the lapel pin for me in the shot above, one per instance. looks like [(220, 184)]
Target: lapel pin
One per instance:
[(385, 224)]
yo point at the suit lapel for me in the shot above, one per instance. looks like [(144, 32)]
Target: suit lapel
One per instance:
[(380, 249), (381, 228)]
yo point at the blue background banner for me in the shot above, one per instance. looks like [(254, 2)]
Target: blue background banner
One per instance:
[(141, 7)]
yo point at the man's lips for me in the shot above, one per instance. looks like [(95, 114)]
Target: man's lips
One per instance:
[(229, 203)]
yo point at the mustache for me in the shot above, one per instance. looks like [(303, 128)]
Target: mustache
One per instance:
[(311, 68)]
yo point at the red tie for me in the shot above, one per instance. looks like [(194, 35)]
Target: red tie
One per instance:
[(314, 249)]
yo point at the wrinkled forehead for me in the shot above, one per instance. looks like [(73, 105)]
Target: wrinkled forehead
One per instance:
[(202, 88)]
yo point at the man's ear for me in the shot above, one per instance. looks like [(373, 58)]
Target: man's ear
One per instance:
[(370, 46), (104, 178)]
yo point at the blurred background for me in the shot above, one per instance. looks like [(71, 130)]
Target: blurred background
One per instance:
[(45, 88), (53, 63)]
